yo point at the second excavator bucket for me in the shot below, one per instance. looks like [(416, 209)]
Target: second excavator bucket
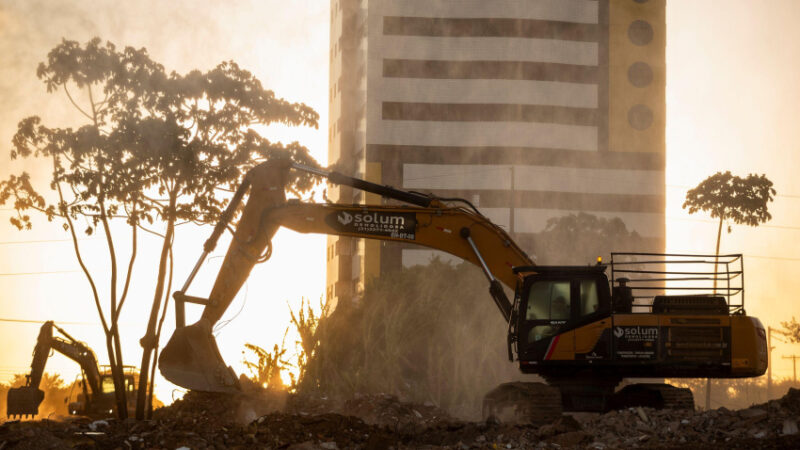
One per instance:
[(23, 401), (192, 360)]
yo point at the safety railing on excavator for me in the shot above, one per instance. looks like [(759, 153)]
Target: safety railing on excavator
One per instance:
[(675, 283)]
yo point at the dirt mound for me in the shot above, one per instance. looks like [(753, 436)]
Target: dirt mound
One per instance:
[(379, 421)]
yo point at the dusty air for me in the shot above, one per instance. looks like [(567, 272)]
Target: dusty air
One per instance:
[(399, 224)]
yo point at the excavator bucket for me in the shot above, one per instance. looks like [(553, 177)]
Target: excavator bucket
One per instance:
[(192, 360), (23, 401)]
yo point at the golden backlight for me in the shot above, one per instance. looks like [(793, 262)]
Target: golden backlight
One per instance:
[(732, 104)]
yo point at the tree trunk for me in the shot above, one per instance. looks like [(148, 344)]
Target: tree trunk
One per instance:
[(716, 263), (120, 374), (716, 253), (149, 411), (148, 342), (112, 337), (116, 374)]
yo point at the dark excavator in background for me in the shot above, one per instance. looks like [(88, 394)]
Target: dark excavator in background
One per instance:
[(96, 398), (571, 325)]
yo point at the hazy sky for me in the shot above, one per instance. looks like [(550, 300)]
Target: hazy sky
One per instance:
[(732, 100), (286, 48)]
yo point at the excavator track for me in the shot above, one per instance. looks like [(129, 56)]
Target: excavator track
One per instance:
[(521, 402), (654, 395)]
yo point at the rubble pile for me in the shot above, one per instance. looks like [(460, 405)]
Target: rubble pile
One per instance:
[(204, 409), (268, 419), (640, 426), (387, 410)]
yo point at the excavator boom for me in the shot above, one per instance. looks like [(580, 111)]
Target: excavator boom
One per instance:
[(191, 358), (569, 324)]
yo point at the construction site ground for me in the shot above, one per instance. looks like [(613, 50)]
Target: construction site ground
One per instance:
[(277, 420)]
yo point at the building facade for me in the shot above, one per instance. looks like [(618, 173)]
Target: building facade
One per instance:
[(529, 109)]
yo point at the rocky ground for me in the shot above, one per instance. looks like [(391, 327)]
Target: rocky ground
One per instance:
[(275, 420)]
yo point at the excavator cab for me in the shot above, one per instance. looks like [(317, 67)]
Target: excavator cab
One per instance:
[(556, 299), (663, 316)]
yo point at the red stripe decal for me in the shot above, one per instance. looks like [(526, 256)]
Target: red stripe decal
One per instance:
[(551, 347)]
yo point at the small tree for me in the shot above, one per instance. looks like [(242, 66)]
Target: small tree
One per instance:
[(728, 197), (267, 369), (791, 329), (158, 147), (306, 322)]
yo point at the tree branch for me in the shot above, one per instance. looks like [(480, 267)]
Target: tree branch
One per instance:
[(156, 233), (80, 259), (130, 268), (113, 256), (106, 226), (75, 104)]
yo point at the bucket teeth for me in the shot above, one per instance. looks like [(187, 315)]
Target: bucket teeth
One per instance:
[(23, 401)]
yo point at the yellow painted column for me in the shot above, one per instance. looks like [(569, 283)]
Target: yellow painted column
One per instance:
[(637, 75)]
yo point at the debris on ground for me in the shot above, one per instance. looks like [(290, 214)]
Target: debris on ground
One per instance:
[(268, 419)]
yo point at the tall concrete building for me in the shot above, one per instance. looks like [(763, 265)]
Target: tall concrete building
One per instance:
[(531, 109)]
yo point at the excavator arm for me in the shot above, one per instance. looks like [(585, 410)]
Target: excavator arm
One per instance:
[(456, 231), (191, 358), (25, 400)]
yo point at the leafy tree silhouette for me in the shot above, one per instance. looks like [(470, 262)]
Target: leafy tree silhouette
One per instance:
[(791, 330), (582, 237), (727, 197), (158, 150)]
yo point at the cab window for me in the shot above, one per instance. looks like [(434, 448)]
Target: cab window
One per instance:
[(590, 301), (548, 300), (107, 385)]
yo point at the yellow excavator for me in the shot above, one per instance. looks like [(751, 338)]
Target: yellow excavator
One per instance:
[(96, 397), (569, 324)]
